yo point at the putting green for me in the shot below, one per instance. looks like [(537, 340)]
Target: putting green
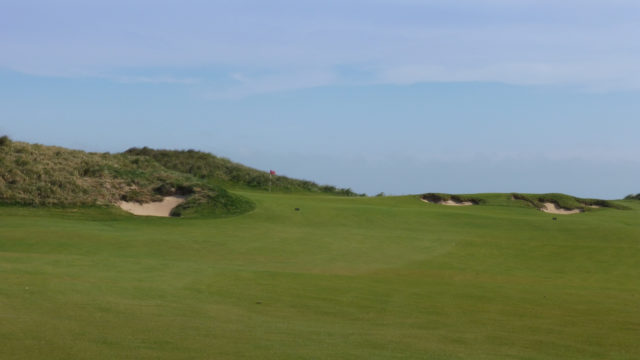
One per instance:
[(343, 278)]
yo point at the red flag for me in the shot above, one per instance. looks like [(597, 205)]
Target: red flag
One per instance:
[(272, 172)]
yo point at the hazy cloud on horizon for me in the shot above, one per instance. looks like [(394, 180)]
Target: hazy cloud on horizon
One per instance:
[(591, 44)]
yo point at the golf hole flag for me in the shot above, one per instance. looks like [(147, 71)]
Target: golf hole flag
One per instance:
[(271, 172)]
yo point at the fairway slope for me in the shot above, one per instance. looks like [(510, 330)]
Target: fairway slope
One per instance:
[(342, 278)]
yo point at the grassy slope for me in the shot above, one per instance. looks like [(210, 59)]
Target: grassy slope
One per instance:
[(566, 201), (230, 174), (34, 174), (633, 197), (438, 197), (350, 278), (37, 175)]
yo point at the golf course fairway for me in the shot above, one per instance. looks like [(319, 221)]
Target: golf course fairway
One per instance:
[(342, 278)]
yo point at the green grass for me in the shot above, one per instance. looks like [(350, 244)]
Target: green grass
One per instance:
[(566, 201), (37, 175), (227, 173), (343, 278), (438, 197)]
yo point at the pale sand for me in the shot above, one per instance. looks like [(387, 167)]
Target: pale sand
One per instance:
[(158, 208), (555, 209), (449, 202)]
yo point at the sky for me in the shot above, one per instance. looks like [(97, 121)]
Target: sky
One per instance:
[(400, 97)]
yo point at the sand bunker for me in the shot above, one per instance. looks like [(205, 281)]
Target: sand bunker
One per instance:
[(158, 208), (449, 202), (552, 208)]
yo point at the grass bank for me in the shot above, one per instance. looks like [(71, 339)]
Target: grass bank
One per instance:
[(341, 278)]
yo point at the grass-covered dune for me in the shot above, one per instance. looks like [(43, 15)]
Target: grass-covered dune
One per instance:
[(226, 172), (342, 278), (566, 201), (633, 197), (38, 175), (536, 201), (440, 197)]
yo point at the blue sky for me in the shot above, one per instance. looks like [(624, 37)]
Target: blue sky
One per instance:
[(400, 96)]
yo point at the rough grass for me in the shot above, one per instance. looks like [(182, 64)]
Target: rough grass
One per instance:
[(224, 171), (37, 175), (438, 197), (565, 201), (633, 197), (343, 278)]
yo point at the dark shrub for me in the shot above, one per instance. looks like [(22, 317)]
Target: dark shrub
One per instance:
[(164, 189), (5, 141), (132, 195), (184, 190)]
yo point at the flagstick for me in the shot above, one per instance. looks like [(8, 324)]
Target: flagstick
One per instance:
[(269, 180)]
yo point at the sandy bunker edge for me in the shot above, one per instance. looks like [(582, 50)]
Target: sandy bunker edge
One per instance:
[(449, 202), (157, 208)]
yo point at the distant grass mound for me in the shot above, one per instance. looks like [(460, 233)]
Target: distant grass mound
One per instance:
[(565, 201), (441, 198), (226, 172), (536, 201), (38, 175), (632, 197)]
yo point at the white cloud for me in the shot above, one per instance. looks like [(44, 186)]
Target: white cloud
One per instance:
[(585, 43), (247, 85)]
